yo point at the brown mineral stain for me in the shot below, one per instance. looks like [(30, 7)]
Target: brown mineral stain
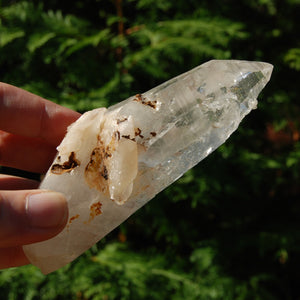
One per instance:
[(96, 172), (141, 99), (145, 187), (73, 218), (95, 210), (104, 173), (153, 133), (127, 137), (117, 135), (137, 132), (121, 120), (67, 166)]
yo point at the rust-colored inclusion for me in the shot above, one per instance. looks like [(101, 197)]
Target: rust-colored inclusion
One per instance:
[(95, 210), (96, 172), (73, 218), (67, 166), (141, 99)]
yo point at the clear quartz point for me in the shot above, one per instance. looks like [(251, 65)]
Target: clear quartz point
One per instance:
[(113, 161)]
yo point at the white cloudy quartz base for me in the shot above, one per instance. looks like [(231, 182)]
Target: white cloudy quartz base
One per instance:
[(113, 161)]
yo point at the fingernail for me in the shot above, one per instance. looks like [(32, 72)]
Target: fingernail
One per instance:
[(46, 209)]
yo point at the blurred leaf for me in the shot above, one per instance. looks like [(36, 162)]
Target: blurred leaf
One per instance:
[(93, 40), (7, 36), (37, 40), (292, 58)]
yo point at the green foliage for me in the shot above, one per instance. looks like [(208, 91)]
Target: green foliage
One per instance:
[(115, 272), (293, 58), (87, 65), (229, 228)]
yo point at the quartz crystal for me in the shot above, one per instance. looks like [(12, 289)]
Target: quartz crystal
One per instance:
[(113, 161)]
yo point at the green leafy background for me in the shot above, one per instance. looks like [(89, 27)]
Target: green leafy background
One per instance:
[(229, 228)]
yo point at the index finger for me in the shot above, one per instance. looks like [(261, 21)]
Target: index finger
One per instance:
[(29, 115)]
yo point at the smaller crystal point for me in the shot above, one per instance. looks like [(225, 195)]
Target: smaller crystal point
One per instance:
[(128, 153)]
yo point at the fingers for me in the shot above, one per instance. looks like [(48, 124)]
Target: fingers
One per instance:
[(30, 216), (8, 182), (25, 153), (30, 129), (26, 114), (12, 257)]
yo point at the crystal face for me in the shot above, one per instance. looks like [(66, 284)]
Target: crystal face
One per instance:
[(113, 161)]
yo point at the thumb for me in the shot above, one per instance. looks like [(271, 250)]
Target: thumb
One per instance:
[(30, 216)]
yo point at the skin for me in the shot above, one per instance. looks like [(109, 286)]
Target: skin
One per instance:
[(30, 130)]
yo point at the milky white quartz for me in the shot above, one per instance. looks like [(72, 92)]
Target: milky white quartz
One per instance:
[(112, 161)]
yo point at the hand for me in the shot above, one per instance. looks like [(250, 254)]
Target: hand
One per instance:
[(30, 129)]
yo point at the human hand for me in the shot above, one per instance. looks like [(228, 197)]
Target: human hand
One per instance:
[(30, 129)]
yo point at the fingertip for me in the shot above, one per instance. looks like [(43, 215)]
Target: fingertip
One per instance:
[(31, 216), (46, 210), (12, 257)]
